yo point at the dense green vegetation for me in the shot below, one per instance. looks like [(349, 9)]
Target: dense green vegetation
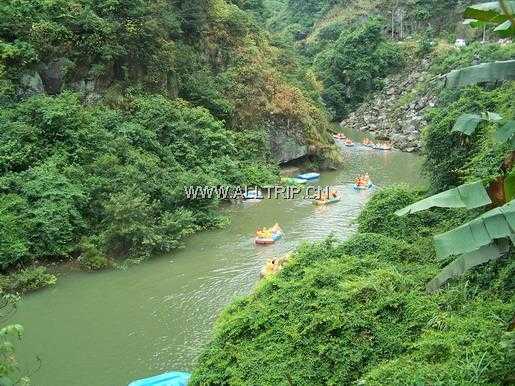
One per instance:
[(351, 46), (300, 18), (113, 178), (354, 65), (452, 159), (358, 311)]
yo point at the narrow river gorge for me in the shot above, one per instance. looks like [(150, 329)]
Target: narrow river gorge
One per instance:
[(109, 328)]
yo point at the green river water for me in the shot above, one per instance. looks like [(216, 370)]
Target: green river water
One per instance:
[(108, 328)]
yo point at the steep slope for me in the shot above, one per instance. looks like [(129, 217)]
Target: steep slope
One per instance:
[(211, 53), (357, 311)]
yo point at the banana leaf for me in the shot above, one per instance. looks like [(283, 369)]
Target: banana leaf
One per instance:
[(475, 23), (467, 123), (467, 261), (495, 224), (505, 29), (468, 196), (509, 185), (505, 132), (486, 72), (491, 117), (489, 12)]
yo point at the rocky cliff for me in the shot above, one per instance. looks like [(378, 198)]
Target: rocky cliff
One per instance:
[(396, 113)]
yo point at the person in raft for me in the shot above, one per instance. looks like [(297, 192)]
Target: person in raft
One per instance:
[(363, 180), (265, 233), (324, 197)]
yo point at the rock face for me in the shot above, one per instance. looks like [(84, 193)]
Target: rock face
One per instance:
[(31, 84), (286, 147), (87, 88), (53, 74), (388, 117)]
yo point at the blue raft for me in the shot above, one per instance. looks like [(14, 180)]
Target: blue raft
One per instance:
[(363, 187), (174, 378), (309, 176), (253, 195)]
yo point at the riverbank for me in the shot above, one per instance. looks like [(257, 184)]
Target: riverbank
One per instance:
[(367, 310), (24, 279)]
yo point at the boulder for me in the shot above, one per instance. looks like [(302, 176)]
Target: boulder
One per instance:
[(286, 147), (32, 84)]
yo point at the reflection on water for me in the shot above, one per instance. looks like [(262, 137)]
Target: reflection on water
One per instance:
[(109, 328)]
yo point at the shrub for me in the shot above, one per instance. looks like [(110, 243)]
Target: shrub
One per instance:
[(92, 258), (14, 245), (28, 280), (382, 248), (379, 215), (437, 356)]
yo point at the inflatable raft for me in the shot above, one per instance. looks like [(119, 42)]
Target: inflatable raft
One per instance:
[(383, 147), (327, 202), (273, 234), (363, 187), (174, 378), (308, 176), (253, 195), (270, 240), (368, 143)]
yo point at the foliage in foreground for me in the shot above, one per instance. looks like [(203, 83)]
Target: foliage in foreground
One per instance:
[(10, 372), (451, 158), (27, 280), (358, 311)]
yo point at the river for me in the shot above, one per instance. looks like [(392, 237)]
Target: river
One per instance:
[(108, 328)]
